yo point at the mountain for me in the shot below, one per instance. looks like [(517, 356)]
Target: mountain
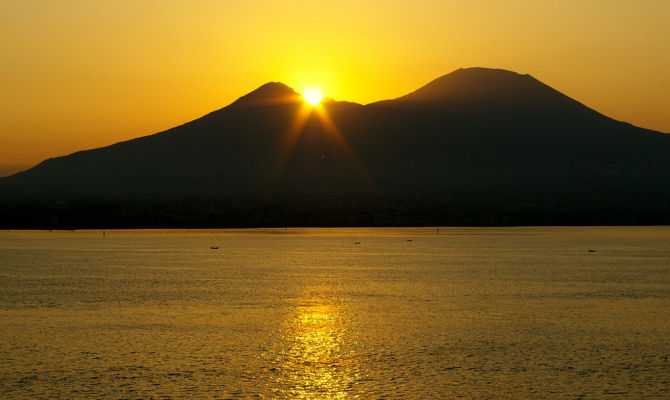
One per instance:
[(474, 147), (10, 169)]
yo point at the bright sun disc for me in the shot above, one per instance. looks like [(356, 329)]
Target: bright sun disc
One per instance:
[(312, 95)]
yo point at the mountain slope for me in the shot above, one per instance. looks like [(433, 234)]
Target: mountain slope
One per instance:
[(477, 146)]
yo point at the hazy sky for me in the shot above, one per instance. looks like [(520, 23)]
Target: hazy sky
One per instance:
[(82, 74)]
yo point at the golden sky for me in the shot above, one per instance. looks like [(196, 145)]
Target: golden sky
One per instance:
[(82, 74)]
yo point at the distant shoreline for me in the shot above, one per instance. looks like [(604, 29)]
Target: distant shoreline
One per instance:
[(427, 230)]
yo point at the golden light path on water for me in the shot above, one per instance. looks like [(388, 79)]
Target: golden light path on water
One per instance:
[(317, 362)]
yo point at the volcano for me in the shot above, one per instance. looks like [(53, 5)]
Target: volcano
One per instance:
[(474, 147)]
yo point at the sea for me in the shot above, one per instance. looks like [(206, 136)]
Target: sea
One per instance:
[(349, 313)]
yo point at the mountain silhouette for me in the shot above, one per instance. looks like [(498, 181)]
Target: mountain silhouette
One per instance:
[(270, 93), (474, 147)]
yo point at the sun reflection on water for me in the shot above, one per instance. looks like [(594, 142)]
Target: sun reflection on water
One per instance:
[(316, 363)]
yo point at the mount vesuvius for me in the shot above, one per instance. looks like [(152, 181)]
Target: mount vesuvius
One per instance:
[(474, 147)]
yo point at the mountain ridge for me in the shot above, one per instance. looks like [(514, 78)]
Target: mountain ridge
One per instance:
[(476, 146)]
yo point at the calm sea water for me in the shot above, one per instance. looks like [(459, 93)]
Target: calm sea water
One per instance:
[(336, 314)]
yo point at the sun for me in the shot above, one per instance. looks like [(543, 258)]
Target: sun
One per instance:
[(312, 95)]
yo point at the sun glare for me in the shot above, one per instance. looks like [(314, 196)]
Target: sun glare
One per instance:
[(312, 95)]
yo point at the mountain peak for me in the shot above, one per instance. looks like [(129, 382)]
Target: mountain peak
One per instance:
[(480, 84), (269, 93)]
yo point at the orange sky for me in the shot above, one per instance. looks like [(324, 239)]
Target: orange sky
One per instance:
[(82, 74)]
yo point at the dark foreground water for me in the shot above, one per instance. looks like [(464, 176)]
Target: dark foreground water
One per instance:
[(337, 313)]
